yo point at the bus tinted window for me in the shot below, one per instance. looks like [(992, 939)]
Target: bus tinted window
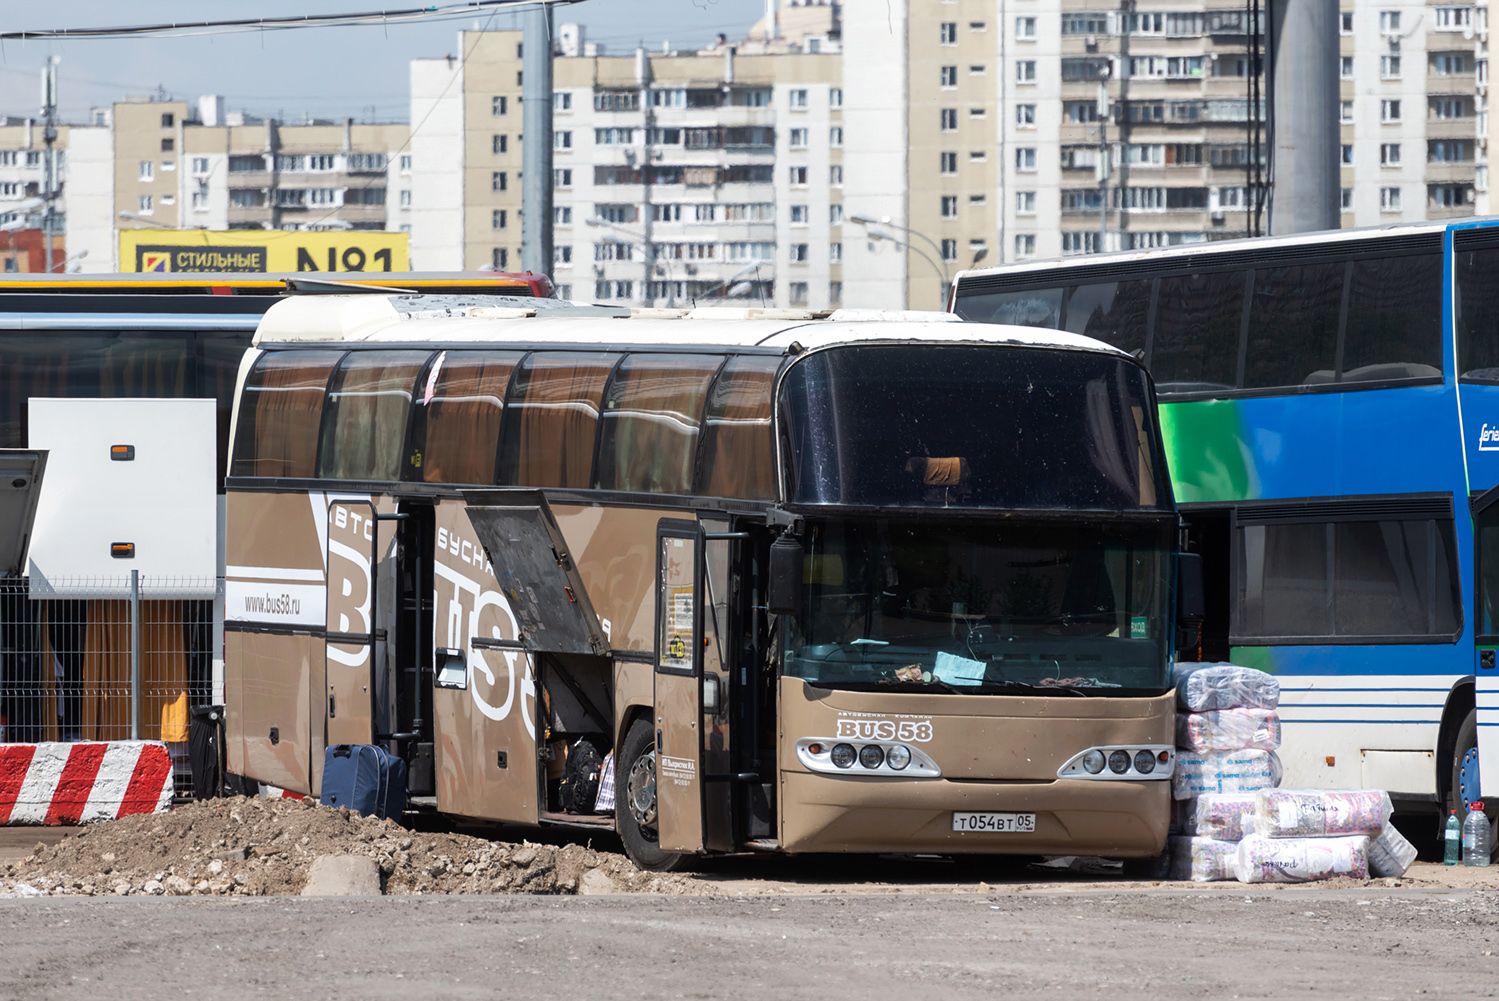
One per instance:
[(1394, 326), (554, 411), (983, 427), (1112, 312), (364, 426), (460, 413), (648, 441), (1293, 325), (1353, 579), (280, 412), (1476, 275), (1033, 308), (1196, 344), (218, 369), (738, 453)]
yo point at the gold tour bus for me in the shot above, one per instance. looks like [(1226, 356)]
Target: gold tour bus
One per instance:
[(859, 582)]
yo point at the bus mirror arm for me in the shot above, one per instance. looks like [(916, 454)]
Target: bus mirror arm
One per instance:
[(784, 590)]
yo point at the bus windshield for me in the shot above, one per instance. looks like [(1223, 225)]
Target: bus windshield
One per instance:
[(974, 607)]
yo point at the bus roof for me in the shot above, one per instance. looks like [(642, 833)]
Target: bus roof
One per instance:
[(1253, 245), (276, 283), (502, 319)]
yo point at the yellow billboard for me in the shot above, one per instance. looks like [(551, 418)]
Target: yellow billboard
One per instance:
[(258, 250)]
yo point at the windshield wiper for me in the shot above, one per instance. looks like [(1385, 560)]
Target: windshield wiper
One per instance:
[(1039, 689)]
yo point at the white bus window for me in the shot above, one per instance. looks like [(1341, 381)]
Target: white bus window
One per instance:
[(280, 412), (364, 428), (738, 452), (554, 412), (648, 441), (462, 415)]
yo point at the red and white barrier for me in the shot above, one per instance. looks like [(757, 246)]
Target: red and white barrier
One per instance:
[(83, 782)]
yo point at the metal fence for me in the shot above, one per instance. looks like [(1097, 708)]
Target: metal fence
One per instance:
[(106, 659)]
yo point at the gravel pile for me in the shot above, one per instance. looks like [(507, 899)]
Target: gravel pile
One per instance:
[(254, 846)]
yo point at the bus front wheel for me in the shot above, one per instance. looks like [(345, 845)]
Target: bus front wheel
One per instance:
[(1464, 787), (635, 810)]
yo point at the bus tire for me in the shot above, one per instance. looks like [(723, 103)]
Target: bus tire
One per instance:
[(635, 800), (1465, 745)]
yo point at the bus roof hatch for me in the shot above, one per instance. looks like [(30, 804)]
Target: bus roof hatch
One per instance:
[(20, 485), (535, 571)]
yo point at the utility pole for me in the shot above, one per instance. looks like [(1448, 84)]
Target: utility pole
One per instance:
[(536, 141), (1304, 115), (1102, 168), (49, 167), (647, 210)]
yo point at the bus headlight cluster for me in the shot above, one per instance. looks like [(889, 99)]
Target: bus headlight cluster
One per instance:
[(849, 758), (1151, 761)]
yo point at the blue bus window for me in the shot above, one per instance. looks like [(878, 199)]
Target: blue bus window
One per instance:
[(1476, 311), (1293, 325), (1394, 326)]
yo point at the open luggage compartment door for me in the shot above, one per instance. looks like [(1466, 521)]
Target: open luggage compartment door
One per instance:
[(21, 472), (535, 571)]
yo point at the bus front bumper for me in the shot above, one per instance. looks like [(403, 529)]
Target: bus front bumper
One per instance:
[(822, 813)]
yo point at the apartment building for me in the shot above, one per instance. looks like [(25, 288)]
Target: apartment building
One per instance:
[(678, 177), (988, 132), (170, 164)]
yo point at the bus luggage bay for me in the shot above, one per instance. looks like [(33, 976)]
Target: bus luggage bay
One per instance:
[(845, 584), (1328, 402)]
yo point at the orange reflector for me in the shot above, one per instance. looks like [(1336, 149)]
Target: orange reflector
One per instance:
[(1163, 757), (122, 453), (1331, 760), (122, 550), (814, 748)]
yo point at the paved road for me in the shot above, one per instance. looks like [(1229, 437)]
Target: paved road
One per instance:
[(1359, 944)]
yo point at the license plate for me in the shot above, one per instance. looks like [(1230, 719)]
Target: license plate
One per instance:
[(1000, 823)]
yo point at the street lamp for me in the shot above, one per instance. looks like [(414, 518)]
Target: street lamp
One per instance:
[(650, 258), (864, 220), (877, 235)]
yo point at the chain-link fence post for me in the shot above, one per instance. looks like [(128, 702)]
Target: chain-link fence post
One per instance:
[(135, 655)]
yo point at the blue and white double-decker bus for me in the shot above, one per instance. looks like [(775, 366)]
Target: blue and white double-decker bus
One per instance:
[(1330, 403)]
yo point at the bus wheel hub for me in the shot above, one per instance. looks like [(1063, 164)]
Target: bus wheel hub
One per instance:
[(640, 790)]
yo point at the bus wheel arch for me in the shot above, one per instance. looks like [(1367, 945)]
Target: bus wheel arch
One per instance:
[(636, 757), (1460, 706)]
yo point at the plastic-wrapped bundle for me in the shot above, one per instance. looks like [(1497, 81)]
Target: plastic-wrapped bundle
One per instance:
[(1204, 688), (1203, 860), (1224, 771), (1221, 816), (1316, 813), (1390, 854), (1228, 730), (1301, 860)]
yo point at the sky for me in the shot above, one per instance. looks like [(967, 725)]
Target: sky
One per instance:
[(325, 72)]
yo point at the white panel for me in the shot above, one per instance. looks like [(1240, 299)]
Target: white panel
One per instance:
[(1400, 771), (163, 501), (1487, 697)]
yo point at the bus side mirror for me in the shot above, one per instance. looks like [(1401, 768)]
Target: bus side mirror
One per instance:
[(784, 594), (1191, 608)]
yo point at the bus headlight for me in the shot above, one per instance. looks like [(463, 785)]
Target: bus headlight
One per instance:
[(1119, 762), (871, 755), (1144, 762), (843, 755), (898, 757), (1093, 762)]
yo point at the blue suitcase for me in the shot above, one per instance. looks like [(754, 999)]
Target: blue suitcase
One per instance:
[(366, 778)]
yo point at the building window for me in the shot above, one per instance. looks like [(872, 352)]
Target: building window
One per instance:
[(1347, 154), (144, 205), (1025, 158), (1453, 18), (1389, 22), (949, 119), (1025, 29), (404, 198), (498, 181), (797, 176), (948, 163), (1389, 199), (949, 77), (1389, 154), (1025, 71), (1347, 199), (499, 106), (562, 177), (977, 199), (798, 215), (168, 144), (1345, 112), (498, 219), (405, 163), (323, 162), (949, 250), (835, 214), (835, 175), (1345, 67), (1025, 245), (1449, 196), (835, 291), (978, 112), (1025, 203), (562, 100), (977, 26), (562, 215), (798, 139), (1389, 67), (1025, 116), (561, 139), (1448, 63), (798, 293), (949, 206), (501, 144), (977, 156), (499, 259), (200, 165), (948, 33), (1389, 111), (798, 98), (1345, 23), (200, 201), (167, 120), (562, 256), (799, 253), (835, 97), (147, 170), (835, 136), (835, 253)]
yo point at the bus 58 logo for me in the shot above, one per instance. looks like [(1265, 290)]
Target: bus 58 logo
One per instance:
[(915, 731)]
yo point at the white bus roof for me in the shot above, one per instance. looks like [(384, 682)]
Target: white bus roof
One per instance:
[(489, 320), (1263, 244)]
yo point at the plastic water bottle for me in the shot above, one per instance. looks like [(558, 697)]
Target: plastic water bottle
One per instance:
[(1476, 848), (1452, 849)]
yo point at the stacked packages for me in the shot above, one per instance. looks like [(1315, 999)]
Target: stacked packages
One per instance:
[(1233, 821)]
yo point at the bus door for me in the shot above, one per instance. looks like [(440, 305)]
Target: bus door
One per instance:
[(1484, 784), (353, 537), (720, 746), (533, 604)]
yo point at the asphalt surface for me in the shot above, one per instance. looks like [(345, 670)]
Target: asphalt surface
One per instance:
[(1361, 944)]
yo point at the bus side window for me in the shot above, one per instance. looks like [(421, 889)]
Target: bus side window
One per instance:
[(280, 412), (1112, 312), (458, 439), (1195, 346), (364, 424), (1476, 311), (648, 439), (1394, 327), (1293, 325), (554, 412), (738, 450)]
